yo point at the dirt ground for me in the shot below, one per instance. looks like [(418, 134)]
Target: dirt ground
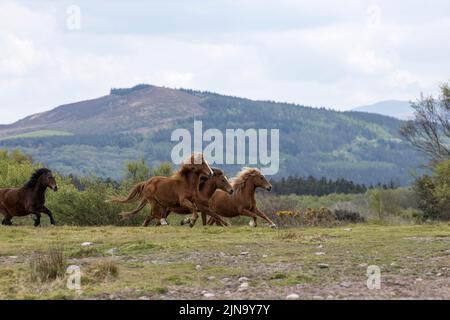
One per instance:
[(232, 263)]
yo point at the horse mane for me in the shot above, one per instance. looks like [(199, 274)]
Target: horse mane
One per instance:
[(238, 182), (194, 158), (35, 177)]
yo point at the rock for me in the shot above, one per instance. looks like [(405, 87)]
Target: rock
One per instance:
[(211, 278), (419, 280), (292, 296), (243, 286), (198, 267), (362, 265), (439, 274), (264, 255), (320, 246), (86, 244), (320, 253), (209, 295), (330, 297), (13, 257), (242, 279), (222, 254), (323, 265), (227, 293), (317, 297), (143, 298), (345, 284), (226, 279), (347, 229), (245, 253), (112, 251)]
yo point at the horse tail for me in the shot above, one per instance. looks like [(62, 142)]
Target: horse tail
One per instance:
[(134, 195), (127, 215)]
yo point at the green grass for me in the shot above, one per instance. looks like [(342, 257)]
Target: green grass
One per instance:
[(179, 262), (38, 134)]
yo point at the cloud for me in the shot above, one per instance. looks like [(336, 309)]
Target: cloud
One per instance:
[(297, 51)]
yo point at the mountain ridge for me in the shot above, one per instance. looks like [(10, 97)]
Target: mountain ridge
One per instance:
[(98, 136)]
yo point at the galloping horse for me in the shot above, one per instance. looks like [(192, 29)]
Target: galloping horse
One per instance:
[(242, 202), (30, 199), (206, 189), (179, 190)]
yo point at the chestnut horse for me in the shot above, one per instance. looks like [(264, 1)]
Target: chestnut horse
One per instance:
[(242, 202), (206, 189), (179, 190), (30, 199)]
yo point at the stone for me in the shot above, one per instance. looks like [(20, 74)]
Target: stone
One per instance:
[(323, 265), (198, 267), (292, 296), (244, 286), (209, 295), (86, 244), (242, 279)]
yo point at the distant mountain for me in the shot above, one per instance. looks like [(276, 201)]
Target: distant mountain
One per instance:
[(392, 108), (98, 136)]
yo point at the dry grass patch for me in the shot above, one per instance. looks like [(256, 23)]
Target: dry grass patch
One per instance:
[(49, 265)]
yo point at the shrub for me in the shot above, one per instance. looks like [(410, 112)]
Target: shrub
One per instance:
[(348, 216)]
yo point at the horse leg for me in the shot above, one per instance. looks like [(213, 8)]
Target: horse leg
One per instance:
[(253, 223), (50, 215), (7, 221), (249, 213), (265, 217), (158, 212), (37, 219), (204, 218), (147, 220), (193, 208), (214, 215)]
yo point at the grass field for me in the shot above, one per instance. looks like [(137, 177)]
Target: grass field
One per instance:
[(231, 263)]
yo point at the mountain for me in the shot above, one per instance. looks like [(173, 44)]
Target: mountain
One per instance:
[(392, 108), (98, 136)]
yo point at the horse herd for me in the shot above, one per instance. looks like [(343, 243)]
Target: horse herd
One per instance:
[(194, 188)]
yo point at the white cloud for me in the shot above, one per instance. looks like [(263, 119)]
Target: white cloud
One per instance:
[(297, 51)]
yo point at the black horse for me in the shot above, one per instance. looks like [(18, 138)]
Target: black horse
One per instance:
[(30, 199)]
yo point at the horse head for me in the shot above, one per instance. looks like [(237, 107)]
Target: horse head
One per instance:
[(43, 177), (197, 163), (221, 181)]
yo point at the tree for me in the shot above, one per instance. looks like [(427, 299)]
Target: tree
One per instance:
[(429, 132), (137, 170), (164, 169)]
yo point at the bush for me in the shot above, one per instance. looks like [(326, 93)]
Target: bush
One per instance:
[(348, 216), (434, 192)]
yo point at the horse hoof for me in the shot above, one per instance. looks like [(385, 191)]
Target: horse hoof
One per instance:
[(191, 224), (163, 222), (274, 226), (252, 223)]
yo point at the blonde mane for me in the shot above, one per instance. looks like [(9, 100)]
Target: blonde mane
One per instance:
[(194, 158), (238, 182)]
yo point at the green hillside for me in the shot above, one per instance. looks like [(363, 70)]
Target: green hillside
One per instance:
[(103, 133)]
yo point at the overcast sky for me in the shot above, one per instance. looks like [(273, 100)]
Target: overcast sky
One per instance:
[(317, 53)]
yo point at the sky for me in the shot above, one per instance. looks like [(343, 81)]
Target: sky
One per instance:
[(334, 54)]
